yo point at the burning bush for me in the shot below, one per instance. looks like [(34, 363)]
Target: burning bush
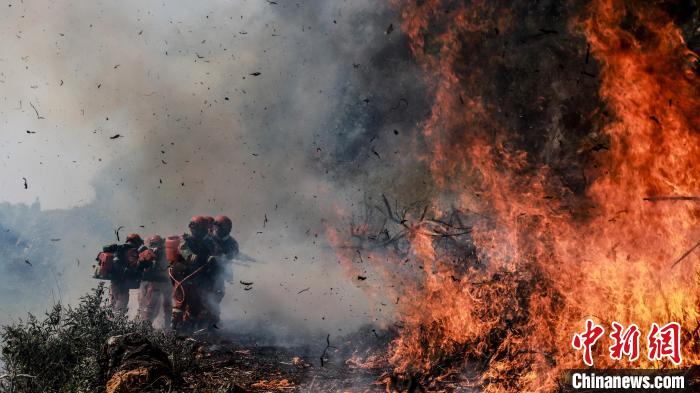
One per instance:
[(564, 135)]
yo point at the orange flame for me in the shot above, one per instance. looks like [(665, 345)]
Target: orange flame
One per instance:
[(552, 260)]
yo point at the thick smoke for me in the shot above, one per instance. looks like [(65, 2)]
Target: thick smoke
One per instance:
[(275, 113)]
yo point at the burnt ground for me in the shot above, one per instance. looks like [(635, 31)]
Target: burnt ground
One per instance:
[(354, 363), (239, 363)]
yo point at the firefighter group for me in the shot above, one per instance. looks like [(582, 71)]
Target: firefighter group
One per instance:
[(184, 276)]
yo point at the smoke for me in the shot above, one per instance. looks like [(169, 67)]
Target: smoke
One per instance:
[(277, 114)]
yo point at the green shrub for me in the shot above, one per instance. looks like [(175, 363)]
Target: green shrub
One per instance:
[(64, 351)]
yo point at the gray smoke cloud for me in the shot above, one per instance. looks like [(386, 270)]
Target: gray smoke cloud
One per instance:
[(144, 113)]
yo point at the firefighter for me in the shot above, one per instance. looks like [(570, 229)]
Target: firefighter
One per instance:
[(125, 274), (226, 250), (210, 224), (191, 276), (155, 291), (227, 246)]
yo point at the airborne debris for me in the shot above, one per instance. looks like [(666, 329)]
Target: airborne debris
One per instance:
[(390, 29), (398, 104), (35, 111), (328, 345), (115, 136), (116, 232), (682, 257)]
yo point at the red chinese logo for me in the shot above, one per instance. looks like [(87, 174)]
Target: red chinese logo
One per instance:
[(662, 342), (584, 341), (625, 342), (665, 342)]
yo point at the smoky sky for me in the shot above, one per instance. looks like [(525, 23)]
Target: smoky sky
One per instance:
[(142, 114)]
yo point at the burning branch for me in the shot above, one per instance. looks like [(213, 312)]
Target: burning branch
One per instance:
[(682, 257), (328, 345), (672, 198)]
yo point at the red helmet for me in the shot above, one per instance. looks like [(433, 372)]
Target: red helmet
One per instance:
[(154, 241), (224, 223), (134, 238), (200, 222)]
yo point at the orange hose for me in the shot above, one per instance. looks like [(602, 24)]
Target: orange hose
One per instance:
[(178, 285)]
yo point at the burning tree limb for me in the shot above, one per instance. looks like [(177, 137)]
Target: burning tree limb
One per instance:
[(682, 257), (328, 346), (450, 273), (660, 198)]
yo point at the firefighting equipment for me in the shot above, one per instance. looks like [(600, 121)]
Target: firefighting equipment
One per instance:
[(119, 262), (188, 305), (116, 261), (105, 265), (134, 239), (199, 226), (147, 257), (152, 265), (199, 221), (191, 277), (154, 241), (225, 246), (172, 249), (226, 249), (223, 225), (196, 248), (181, 286), (152, 260)]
